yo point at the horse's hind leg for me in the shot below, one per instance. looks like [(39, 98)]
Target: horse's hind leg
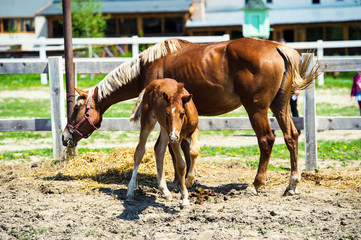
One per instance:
[(280, 108), (193, 153), (260, 124)]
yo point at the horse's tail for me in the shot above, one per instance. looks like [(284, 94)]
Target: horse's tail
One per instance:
[(136, 113), (299, 71)]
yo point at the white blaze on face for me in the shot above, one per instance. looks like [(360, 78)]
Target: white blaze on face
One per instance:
[(173, 137)]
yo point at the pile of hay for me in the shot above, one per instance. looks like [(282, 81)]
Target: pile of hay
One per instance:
[(116, 167), (347, 178)]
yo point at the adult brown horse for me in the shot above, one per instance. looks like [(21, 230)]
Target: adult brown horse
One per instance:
[(257, 74), (167, 102)]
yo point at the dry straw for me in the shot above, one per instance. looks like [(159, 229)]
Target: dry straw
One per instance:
[(116, 166)]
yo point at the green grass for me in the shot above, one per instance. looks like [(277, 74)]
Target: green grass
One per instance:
[(343, 151), (40, 108)]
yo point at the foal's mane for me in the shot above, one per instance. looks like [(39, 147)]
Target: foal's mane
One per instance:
[(131, 69)]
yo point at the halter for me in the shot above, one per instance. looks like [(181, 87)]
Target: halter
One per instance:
[(85, 118)]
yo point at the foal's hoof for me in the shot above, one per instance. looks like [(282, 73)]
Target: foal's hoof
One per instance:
[(129, 198), (168, 197), (251, 190), (185, 203), (290, 192), (174, 187)]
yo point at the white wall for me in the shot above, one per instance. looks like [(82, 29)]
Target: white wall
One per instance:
[(41, 30), (308, 3)]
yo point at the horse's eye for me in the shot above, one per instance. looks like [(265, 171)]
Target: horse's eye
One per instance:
[(181, 115)]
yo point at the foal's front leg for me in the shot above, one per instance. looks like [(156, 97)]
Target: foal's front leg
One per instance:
[(159, 149), (181, 168)]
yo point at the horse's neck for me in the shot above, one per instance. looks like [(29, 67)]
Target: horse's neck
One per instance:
[(123, 93)]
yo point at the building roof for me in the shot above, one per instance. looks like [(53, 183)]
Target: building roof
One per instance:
[(315, 15), (281, 16), (130, 6), (255, 5), (21, 8)]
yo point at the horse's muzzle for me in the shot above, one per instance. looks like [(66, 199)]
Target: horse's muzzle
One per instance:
[(68, 140)]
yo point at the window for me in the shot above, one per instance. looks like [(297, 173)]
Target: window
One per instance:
[(17, 25), (354, 32), (27, 25), (316, 1), (152, 25), (128, 26), (111, 28), (314, 34), (10, 25), (334, 33), (173, 25)]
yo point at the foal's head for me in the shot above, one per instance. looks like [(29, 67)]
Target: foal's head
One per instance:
[(86, 118), (175, 111)]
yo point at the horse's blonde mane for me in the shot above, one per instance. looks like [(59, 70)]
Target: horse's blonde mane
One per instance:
[(131, 69)]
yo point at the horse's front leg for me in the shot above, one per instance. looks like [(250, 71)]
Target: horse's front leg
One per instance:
[(159, 148), (193, 152), (138, 156), (181, 168)]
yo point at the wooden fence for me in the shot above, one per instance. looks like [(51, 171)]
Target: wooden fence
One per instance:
[(54, 66)]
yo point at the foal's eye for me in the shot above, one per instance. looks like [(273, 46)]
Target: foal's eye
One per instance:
[(181, 115)]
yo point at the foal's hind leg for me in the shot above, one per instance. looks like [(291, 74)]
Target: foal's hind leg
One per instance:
[(260, 124), (138, 156), (280, 108), (159, 148)]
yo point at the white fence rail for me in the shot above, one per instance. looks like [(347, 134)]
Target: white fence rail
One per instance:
[(46, 44), (55, 67)]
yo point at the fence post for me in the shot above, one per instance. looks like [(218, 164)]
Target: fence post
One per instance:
[(310, 127), (56, 86), (135, 46), (320, 52), (42, 56)]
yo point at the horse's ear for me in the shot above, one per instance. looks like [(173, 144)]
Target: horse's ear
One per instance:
[(95, 93), (166, 98), (81, 92), (186, 98)]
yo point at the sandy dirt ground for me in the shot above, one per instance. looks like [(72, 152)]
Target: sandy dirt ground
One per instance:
[(57, 207)]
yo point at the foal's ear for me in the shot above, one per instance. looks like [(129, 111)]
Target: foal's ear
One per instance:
[(166, 98), (81, 92), (186, 98)]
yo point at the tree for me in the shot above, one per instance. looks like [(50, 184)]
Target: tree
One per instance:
[(87, 18)]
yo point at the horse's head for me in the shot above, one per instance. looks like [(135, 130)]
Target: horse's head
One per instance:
[(175, 113), (86, 118)]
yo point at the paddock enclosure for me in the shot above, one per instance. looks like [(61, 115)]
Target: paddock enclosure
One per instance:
[(84, 198)]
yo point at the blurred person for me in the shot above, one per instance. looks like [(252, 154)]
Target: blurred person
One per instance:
[(356, 89)]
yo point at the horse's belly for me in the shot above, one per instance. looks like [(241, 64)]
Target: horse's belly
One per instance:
[(216, 104)]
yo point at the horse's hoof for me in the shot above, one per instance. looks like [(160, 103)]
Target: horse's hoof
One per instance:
[(189, 182), (290, 192), (129, 198), (251, 190)]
